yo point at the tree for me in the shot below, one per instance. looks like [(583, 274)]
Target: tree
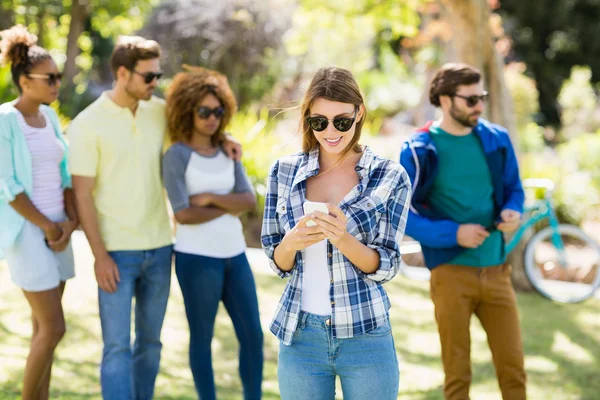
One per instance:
[(240, 38), (552, 37)]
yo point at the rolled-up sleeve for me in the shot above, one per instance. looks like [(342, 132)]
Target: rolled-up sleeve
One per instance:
[(390, 230), (10, 187), (272, 234)]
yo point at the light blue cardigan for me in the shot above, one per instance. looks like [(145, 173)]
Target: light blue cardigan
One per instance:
[(16, 174)]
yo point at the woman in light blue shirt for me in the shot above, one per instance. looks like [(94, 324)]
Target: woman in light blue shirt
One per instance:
[(37, 211)]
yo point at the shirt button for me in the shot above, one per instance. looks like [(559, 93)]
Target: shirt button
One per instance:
[(328, 322)]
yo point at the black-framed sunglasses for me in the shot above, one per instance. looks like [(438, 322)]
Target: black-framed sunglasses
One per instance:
[(204, 112), (474, 99), (51, 79), (342, 124), (148, 76)]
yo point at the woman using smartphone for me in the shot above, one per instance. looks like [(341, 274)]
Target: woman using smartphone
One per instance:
[(37, 208), (332, 319), (208, 191)]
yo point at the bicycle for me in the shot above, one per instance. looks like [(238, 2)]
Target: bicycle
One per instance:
[(561, 261)]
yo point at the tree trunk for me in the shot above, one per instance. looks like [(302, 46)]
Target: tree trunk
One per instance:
[(79, 13), (473, 44)]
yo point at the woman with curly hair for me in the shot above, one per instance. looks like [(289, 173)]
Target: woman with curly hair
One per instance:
[(37, 209), (208, 191)]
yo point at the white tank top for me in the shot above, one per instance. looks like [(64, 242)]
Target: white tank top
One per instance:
[(46, 156), (316, 280)]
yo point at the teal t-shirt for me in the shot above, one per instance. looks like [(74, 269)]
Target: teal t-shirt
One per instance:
[(462, 191)]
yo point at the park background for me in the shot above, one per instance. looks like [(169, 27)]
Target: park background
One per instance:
[(541, 62)]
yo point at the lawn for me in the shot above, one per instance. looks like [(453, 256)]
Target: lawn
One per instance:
[(562, 343)]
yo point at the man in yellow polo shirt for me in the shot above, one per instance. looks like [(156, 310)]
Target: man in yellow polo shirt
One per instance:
[(116, 146)]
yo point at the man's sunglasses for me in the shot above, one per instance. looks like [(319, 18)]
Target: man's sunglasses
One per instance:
[(148, 76), (204, 112), (51, 79), (473, 100), (342, 124)]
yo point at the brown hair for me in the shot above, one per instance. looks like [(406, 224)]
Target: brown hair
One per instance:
[(335, 84), (186, 91), (19, 48), (131, 49), (450, 77)]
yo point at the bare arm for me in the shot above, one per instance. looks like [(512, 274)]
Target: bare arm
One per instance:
[(83, 188), (285, 257), (233, 203), (107, 272), (68, 226), (197, 215), (23, 205), (71, 207), (363, 257)]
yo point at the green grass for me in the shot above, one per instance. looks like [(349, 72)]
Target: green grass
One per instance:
[(562, 344)]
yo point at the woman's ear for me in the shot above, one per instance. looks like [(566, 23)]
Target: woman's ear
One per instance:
[(23, 82), (361, 113)]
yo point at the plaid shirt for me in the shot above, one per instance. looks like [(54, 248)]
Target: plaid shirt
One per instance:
[(376, 208)]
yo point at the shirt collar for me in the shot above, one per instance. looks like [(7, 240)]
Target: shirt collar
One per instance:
[(310, 165)]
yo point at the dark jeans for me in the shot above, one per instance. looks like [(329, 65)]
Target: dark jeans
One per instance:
[(127, 373), (205, 281)]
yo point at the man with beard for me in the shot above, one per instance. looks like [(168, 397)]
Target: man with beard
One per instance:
[(116, 146), (466, 193)]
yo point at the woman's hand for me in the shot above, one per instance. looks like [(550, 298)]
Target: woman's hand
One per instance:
[(302, 236), (52, 231), (332, 225), (201, 199), (60, 244)]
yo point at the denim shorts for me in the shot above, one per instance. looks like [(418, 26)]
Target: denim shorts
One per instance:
[(33, 266)]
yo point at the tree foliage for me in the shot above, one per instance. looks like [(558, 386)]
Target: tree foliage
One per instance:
[(240, 38), (552, 37)]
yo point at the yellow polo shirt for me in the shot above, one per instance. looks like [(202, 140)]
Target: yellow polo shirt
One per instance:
[(123, 152)]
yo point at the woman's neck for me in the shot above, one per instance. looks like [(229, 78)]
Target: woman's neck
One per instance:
[(27, 107), (328, 161), (201, 142)]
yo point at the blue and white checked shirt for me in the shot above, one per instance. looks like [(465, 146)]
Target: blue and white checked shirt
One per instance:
[(377, 210)]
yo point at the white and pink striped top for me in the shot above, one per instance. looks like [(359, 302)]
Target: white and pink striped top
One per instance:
[(46, 156)]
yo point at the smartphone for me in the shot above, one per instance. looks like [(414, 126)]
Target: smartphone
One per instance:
[(312, 206)]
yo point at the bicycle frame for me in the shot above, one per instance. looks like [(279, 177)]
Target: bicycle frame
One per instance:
[(539, 211)]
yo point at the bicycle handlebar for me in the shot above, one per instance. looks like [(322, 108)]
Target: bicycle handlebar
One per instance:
[(539, 183)]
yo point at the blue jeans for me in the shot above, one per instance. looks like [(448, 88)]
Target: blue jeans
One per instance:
[(366, 364), (204, 282), (127, 374)]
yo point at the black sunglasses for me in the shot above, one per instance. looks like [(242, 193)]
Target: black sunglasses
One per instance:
[(51, 79), (204, 112), (148, 76), (342, 124), (473, 100)]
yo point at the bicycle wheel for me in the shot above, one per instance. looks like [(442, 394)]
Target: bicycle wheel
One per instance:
[(572, 282)]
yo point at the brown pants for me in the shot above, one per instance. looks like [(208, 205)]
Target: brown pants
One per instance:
[(458, 292)]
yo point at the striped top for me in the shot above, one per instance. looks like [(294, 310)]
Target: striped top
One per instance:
[(46, 156)]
